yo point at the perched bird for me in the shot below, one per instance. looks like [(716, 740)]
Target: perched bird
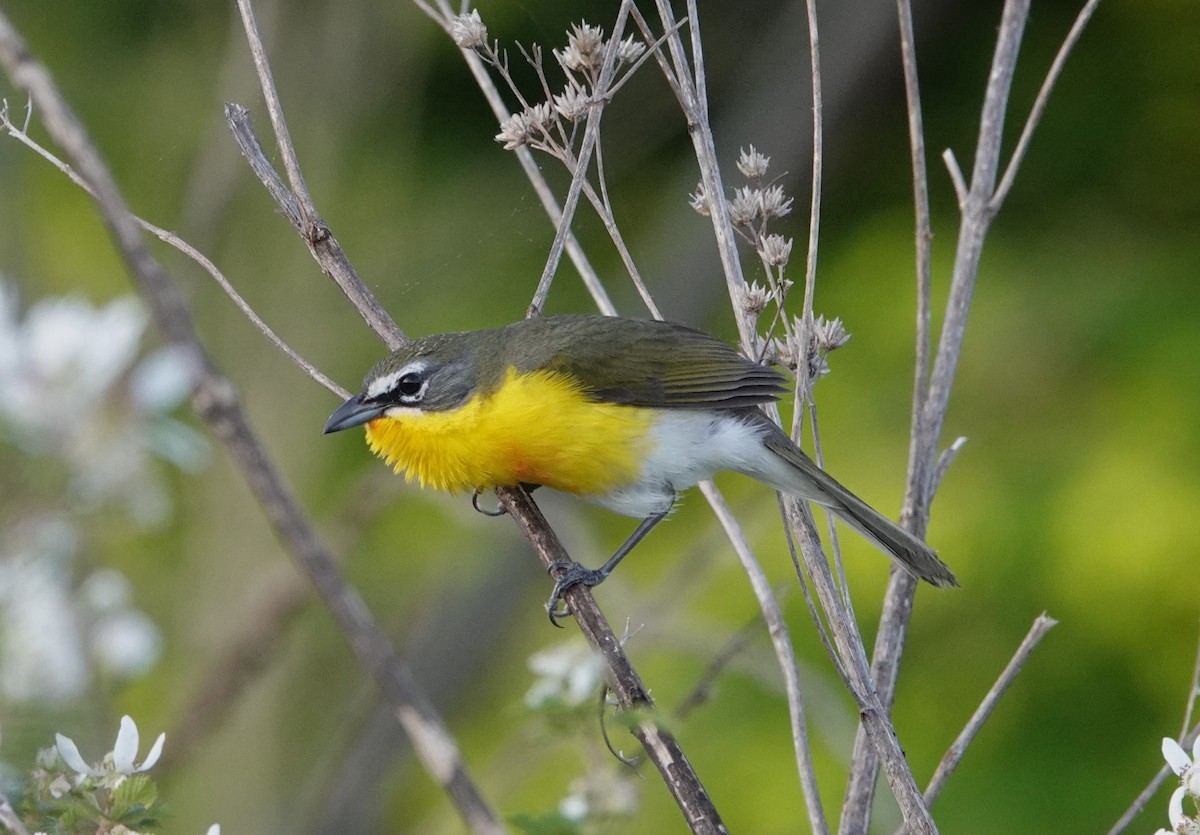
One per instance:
[(624, 413)]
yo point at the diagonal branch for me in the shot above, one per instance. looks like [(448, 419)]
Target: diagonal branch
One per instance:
[(216, 401), (660, 746)]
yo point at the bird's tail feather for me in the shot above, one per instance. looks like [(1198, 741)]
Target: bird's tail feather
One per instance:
[(791, 471)]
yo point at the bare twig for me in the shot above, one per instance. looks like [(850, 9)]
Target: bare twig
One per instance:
[(216, 402), (171, 239), (591, 136), (9, 818), (1187, 737), (1041, 625), (661, 746), (923, 231), (1043, 98), (782, 643), (929, 414), (320, 241), (529, 166)]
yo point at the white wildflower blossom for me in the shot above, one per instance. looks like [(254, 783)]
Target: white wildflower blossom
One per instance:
[(775, 249), (752, 164), (567, 674), (119, 763), (70, 388), (468, 30), (42, 654), (1188, 769), (600, 794)]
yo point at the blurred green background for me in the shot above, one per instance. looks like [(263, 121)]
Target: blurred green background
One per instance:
[(1076, 494)]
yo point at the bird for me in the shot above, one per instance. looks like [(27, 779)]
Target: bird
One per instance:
[(624, 413)]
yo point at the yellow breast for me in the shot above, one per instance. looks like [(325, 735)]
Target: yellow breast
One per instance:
[(537, 428)]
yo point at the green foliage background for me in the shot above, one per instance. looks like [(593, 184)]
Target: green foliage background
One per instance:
[(1077, 493)]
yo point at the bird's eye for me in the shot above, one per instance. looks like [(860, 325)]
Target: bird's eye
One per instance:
[(410, 384)]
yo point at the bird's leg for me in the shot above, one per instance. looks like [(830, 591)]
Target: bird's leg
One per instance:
[(574, 574)]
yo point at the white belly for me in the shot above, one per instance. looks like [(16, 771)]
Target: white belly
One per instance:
[(686, 447)]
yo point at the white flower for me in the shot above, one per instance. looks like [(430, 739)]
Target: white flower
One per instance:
[(215, 829), (42, 657), (126, 749), (568, 673), (1188, 769), (120, 762)]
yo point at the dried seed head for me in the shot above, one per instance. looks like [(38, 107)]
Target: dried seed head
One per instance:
[(775, 203), (752, 164), (787, 352), (629, 50), (775, 249), (699, 200), (468, 30), (830, 334), (522, 128), (754, 298), (745, 206), (585, 48), (572, 102)]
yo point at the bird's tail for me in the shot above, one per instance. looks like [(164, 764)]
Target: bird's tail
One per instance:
[(791, 471)]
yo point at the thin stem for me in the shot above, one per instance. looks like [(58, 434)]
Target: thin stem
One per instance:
[(283, 139), (591, 136), (173, 240), (660, 745), (782, 643), (216, 402), (529, 166), (953, 756), (1043, 98), (927, 424), (1139, 803)]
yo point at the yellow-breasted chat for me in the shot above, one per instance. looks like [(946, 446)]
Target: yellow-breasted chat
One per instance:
[(624, 413)]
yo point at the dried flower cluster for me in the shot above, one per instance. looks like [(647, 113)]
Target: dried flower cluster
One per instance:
[(548, 125), (808, 348)]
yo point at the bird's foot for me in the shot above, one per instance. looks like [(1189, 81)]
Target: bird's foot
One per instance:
[(569, 574)]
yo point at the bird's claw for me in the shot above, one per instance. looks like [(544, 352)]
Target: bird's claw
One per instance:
[(570, 574)]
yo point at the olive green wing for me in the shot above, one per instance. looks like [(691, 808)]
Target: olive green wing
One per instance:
[(646, 363)]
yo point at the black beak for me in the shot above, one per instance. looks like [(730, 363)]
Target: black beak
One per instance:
[(354, 412)]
